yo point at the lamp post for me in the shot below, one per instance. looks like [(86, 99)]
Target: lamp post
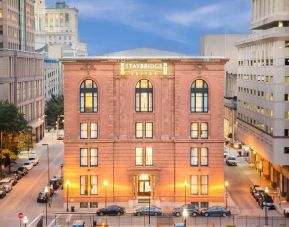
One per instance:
[(226, 193), (185, 215), (25, 220), (48, 171), (185, 184), (105, 184), (67, 194), (266, 209), (46, 191)]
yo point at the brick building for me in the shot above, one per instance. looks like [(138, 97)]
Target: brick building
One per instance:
[(143, 124)]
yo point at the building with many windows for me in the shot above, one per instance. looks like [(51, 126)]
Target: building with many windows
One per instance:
[(263, 88), (144, 124)]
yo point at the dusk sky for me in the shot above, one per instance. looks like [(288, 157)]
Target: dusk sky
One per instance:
[(175, 25)]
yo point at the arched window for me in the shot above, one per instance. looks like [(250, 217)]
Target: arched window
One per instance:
[(199, 96), (144, 96), (88, 97)]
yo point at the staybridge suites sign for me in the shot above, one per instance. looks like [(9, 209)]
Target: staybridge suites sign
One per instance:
[(143, 69)]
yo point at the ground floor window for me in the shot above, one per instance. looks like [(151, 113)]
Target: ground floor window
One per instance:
[(83, 205)]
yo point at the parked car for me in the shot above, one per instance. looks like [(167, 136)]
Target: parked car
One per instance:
[(252, 188), (216, 211), (257, 192), (192, 210), (2, 192), (34, 160), (266, 200), (60, 137), (7, 184), (54, 183), (28, 165), (78, 223), (18, 174), (59, 179), (286, 212), (23, 170), (42, 197), (155, 211), (226, 153), (111, 210), (231, 161), (13, 179)]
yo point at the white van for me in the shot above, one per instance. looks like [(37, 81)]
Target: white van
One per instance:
[(78, 223)]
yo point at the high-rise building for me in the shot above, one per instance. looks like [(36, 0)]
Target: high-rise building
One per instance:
[(53, 82), (58, 26), (224, 45), (263, 91), (144, 125), (21, 70)]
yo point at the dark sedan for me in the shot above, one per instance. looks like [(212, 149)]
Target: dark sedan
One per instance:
[(23, 169), (265, 200), (42, 197), (111, 210), (154, 211), (216, 211), (192, 210)]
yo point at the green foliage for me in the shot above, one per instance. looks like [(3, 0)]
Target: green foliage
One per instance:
[(54, 108)]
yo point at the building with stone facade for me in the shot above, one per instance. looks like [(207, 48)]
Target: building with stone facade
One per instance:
[(263, 91), (53, 78), (21, 69), (144, 125), (224, 45)]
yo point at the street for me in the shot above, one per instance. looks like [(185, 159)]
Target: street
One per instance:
[(24, 194)]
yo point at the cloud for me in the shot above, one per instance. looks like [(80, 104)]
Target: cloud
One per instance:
[(231, 15)]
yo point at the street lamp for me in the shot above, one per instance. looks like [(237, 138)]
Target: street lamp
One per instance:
[(48, 171), (67, 193), (226, 192), (105, 184), (185, 184), (266, 208), (46, 191), (25, 220), (185, 215)]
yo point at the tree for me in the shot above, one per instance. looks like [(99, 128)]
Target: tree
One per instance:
[(12, 125), (54, 108)]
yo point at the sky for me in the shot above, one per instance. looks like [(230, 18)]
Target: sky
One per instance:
[(174, 25)]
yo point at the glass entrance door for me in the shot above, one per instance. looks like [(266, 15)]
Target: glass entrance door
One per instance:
[(144, 188)]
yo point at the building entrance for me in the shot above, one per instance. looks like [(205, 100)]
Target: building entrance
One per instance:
[(144, 185)]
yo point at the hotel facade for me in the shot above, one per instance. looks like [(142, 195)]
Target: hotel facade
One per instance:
[(144, 125)]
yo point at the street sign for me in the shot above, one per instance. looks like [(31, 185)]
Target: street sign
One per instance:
[(20, 216)]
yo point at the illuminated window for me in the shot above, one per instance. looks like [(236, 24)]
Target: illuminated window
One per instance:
[(88, 97), (83, 157), (144, 130), (149, 156), (93, 157), (194, 184), (194, 130), (1, 13), (286, 79), (286, 44), (88, 130), (93, 185), (194, 156), (144, 96), (286, 115), (204, 156), (93, 131), (83, 185), (204, 184), (204, 130), (138, 156), (83, 131), (199, 96)]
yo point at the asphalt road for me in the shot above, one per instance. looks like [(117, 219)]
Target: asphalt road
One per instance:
[(24, 194)]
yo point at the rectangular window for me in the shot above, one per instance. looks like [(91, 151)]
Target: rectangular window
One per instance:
[(139, 130), (149, 130), (93, 204), (286, 79), (204, 130), (194, 184), (286, 132), (83, 205), (93, 185), (286, 61), (194, 130), (194, 156), (204, 184), (286, 115), (138, 156), (204, 205), (286, 44), (286, 97), (83, 185), (149, 156), (286, 150), (83, 157), (83, 131), (204, 156), (93, 157), (93, 131)]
